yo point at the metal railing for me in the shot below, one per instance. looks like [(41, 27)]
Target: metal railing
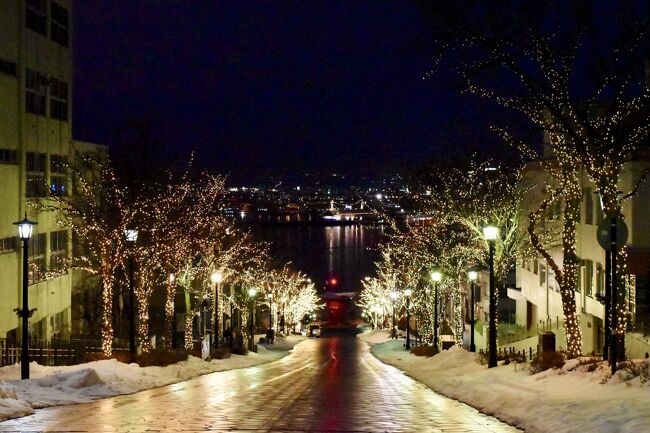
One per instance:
[(52, 353)]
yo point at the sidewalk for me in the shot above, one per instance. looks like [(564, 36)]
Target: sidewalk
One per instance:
[(566, 400), (53, 386)]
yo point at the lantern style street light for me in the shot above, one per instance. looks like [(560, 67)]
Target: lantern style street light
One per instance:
[(393, 297), (131, 236), (252, 292), (25, 228), (491, 233), (408, 293), (436, 277), (472, 276), (217, 278)]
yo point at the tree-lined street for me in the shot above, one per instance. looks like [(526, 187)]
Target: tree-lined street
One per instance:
[(328, 384)]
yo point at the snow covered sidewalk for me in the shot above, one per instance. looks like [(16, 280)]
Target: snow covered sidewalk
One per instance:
[(565, 400), (51, 386)]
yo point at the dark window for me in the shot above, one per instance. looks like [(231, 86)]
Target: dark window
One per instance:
[(36, 16), (36, 182), (35, 92), (8, 245), (59, 24), (37, 258), (8, 156), (589, 277), (600, 280), (542, 275), (58, 250), (579, 276), (58, 99), (8, 68)]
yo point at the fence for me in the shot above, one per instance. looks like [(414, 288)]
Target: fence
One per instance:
[(54, 352), (509, 333), (511, 352)]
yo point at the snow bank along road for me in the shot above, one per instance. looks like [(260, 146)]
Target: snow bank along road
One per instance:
[(330, 384)]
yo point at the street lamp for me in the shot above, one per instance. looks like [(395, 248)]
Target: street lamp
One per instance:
[(25, 228), (252, 292), (435, 277), (490, 233), (407, 293), (131, 236), (217, 278), (393, 297), (473, 276)]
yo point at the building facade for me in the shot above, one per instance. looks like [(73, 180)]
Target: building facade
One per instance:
[(35, 143)]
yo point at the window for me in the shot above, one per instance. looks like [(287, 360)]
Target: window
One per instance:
[(35, 92), (555, 210), (535, 266), (8, 245), (36, 16), (600, 280), (579, 277), (589, 206), (8, 156), (59, 24), (600, 216), (36, 184), (589, 277), (58, 177), (8, 68), (542, 275), (58, 99), (37, 258), (58, 250)]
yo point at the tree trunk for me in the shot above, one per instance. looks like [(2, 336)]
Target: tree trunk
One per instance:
[(569, 277)]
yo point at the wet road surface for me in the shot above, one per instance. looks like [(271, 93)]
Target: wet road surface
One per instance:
[(326, 385)]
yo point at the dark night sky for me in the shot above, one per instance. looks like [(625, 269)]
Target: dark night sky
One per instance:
[(261, 88)]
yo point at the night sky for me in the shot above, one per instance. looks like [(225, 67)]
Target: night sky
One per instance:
[(269, 88)]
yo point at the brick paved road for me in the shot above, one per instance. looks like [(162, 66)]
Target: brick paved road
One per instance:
[(329, 385)]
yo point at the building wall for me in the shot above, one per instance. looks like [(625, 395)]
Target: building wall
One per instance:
[(536, 280), (23, 52)]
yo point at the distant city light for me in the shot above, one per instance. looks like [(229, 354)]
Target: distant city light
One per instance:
[(379, 196)]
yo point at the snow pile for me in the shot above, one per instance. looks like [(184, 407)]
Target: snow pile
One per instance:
[(570, 399), (51, 386), (375, 336)]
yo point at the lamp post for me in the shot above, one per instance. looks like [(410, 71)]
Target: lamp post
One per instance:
[(490, 233), (25, 228), (252, 292), (393, 297), (217, 278), (473, 276), (435, 277), (131, 237), (407, 293)]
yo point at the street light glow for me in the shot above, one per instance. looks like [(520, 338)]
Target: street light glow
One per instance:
[(252, 292), (216, 277), (131, 235), (472, 275), (490, 232), (436, 276), (407, 292), (25, 228), (393, 295)]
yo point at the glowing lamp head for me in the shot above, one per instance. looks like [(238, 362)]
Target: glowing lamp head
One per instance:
[(436, 276), (25, 228), (216, 277), (408, 292), (252, 292), (269, 296), (393, 295), (490, 233), (131, 235), (472, 275), (172, 278)]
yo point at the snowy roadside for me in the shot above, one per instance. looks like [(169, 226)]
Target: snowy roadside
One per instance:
[(52, 386), (565, 400)]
